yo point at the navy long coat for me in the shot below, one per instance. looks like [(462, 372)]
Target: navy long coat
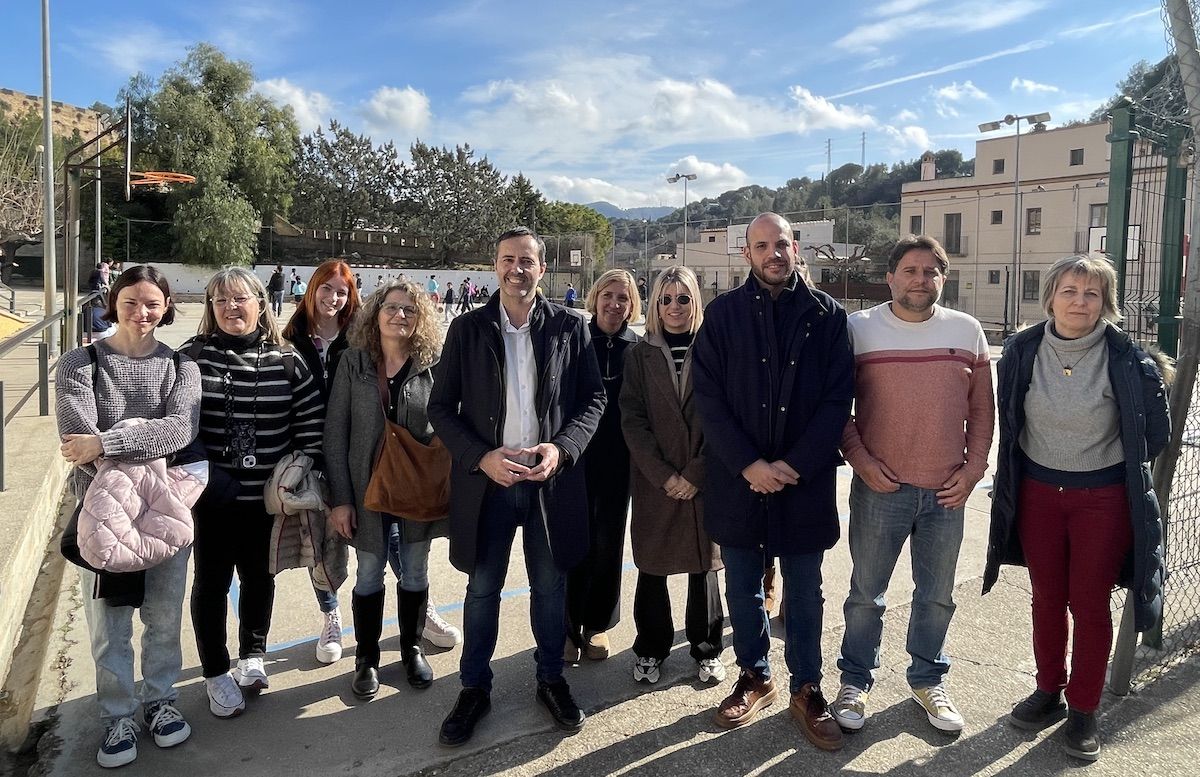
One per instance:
[(773, 380)]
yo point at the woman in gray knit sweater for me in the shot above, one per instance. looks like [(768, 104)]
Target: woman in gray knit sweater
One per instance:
[(1082, 410), (395, 342), (131, 375)]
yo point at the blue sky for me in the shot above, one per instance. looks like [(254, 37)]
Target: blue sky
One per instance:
[(604, 100)]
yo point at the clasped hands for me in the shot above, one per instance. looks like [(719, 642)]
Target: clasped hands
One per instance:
[(502, 467), (769, 477)]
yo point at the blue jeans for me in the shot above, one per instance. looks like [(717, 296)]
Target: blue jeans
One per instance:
[(111, 632), (504, 510), (879, 525), (409, 562), (803, 612), (326, 600)]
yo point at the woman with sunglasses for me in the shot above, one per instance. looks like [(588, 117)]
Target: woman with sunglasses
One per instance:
[(258, 403), (594, 587), (662, 428), (395, 343), (317, 332)]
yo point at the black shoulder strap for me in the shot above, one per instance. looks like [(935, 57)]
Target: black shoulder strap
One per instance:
[(94, 358), (289, 363), (193, 350)]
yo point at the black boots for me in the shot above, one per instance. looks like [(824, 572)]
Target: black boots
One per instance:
[(1038, 711), (1080, 738), (412, 622), (368, 624)]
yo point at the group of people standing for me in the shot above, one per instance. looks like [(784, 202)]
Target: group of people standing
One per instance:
[(557, 425)]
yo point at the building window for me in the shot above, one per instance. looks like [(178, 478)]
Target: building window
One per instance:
[(1076, 157), (1029, 284), (950, 290), (1033, 221), (953, 234), (997, 166), (914, 225), (1098, 214), (994, 277), (997, 217), (712, 238)]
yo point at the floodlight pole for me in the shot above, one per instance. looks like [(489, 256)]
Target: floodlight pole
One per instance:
[(49, 260)]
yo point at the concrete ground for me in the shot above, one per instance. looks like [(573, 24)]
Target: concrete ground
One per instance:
[(308, 722)]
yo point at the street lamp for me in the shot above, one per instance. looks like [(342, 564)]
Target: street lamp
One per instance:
[(675, 179), (992, 126)]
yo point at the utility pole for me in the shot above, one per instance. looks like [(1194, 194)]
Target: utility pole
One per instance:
[(49, 260), (863, 164), (828, 157)]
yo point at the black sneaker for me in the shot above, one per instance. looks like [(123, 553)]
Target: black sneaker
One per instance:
[(120, 744), (459, 725), (1039, 710), (1080, 738), (166, 725), (556, 697)]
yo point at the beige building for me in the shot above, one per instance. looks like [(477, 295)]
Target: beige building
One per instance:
[(1062, 208)]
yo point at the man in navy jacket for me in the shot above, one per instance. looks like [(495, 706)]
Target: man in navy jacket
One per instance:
[(517, 396), (773, 375)]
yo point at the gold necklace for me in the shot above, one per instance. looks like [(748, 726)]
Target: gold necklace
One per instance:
[(1068, 368)]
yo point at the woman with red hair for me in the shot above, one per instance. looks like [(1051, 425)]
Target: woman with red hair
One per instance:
[(317, 332)]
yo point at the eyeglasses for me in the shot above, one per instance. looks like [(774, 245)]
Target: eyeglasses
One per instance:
[(682, 299), (237, 302), (390, 309)]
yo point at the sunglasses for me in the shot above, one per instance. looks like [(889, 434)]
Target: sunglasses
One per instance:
[(682, 299)]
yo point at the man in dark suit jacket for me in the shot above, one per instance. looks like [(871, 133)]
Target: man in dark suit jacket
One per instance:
[(773, 377), (517, 397)]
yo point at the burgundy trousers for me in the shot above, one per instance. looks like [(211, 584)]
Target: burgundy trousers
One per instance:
[(1075, 541)]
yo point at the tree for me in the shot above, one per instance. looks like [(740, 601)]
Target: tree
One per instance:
[(526, 201), (459, 201), (202, 118), (563, 218), (344, 181), (1156, 89), (21, 195)]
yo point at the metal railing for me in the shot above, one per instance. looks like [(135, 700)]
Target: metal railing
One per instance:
[(11, 344), (12, 296)]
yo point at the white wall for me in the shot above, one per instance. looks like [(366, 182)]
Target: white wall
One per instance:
[(189, 279)]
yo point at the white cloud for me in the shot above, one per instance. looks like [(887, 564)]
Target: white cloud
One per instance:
[(907, 138), (135, 46), (900, 21), (312, 109), (960, 65), (1032, 87), (581, 108), (906, 116), (893, 7), (878, 63), (1083, 32), (945, 98), (711, 179), (396, 114)]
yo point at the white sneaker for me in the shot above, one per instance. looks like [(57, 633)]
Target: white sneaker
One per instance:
[(712, 670), (438, 631), (645, 670), (250, 674), (225, 699), (329, 644), (850, 708), (937, 705)]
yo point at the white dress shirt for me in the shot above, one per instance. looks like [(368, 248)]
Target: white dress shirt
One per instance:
[(520, 387)]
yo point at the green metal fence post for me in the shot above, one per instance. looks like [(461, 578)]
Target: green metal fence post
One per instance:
[(1120, 178), (1171, 270)]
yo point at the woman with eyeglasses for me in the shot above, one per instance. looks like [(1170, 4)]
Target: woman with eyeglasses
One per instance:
[(258, 403), (662, 428), (594, 587), (395, 342), (317, 332)]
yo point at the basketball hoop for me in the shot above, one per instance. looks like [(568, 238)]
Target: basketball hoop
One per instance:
[(158, 178)]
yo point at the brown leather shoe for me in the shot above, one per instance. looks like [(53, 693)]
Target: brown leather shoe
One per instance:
[(812, 715), (597, 645), (770, 590), (751, 694)]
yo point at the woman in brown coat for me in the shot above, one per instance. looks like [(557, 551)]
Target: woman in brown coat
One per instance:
[(662, 428)]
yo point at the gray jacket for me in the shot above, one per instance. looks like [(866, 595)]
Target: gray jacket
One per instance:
[(353, 428)]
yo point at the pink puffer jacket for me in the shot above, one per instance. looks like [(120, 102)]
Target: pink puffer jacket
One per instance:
[(135, 516)]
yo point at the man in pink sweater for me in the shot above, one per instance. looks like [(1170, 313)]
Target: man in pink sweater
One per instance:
[(918, 443)]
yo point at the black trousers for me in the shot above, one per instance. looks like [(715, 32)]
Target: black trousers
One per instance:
[(233, 537), (704, 618), (594, 587)]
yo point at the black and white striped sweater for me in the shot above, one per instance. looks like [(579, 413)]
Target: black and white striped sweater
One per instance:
[(285, 417)]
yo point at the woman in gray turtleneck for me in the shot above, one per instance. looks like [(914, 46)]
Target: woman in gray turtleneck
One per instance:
[(1082, 411)]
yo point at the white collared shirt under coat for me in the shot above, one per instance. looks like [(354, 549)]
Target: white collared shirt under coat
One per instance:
[(520, 385)]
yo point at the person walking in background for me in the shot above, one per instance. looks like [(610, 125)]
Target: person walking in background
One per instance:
[(906, 351), (396, 340), (517, 398), (275, 289), (594, 586), (299, 287), (464, 296), (317, 330), (126, 376), (258, 403), (1083, 410), (773, 377), (569, 297), (448, 302), (662, 429)]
